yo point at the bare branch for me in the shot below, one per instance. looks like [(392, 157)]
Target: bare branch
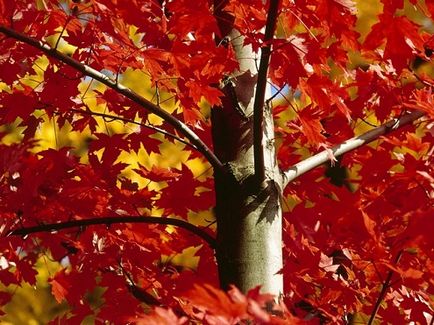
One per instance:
[(349, 145), (112, 220), (258, 107), (88, 71)]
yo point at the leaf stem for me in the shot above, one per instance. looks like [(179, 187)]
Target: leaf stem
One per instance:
[(258, 106), (130, 94), (113, 220)]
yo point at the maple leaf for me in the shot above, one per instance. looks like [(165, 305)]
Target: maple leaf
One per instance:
[(85, 121), (59, 91), (418, 308), (157, 174), (370, 225), (112, 146), (392, 5), (155, 60), (311, 126), (8, 277), (182, 188), (248, 16), (211, 94), (186, 18), (183, 50), (401, 37), (216, 302), (10, 72), (4, 299), (60, 286), (422, 100), (18, 104), (287, 62), (158, 317)]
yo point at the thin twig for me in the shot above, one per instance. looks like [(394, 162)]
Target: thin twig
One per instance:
[(123, 119), (121, 89), (385, 287), (23, 231), (258, 107), (61, 33)]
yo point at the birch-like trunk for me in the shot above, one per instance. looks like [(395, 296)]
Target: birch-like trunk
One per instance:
[(249, 218)]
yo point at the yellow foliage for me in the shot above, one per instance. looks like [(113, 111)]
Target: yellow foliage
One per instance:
[(140, 82), (57, 41), (33, 305), (172, 155), (201, 169), (365, 125), (186, 259), (367, 15), (202, 218)]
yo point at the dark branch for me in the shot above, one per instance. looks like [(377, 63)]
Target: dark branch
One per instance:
[(258, 107), (88, 71), (349, 145), (384, 288), (112, 220)]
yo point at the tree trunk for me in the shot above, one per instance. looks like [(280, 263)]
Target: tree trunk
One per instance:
[(249, 218)]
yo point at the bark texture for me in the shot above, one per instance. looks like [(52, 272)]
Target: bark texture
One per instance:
[(248, 214)]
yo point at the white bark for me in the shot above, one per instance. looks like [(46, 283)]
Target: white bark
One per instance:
[(351, 144), (249, 219)]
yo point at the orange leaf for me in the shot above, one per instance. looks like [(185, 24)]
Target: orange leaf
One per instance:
[(369, 224), (60, 286)]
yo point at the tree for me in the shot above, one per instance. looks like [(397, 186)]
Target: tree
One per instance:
[(273, 97)]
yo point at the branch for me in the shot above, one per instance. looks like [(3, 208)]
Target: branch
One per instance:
[(88, 71), (384, 288), (351, 144), (112, 220), (123, 119), (258, 107)]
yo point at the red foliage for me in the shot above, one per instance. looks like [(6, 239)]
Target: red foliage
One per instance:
[(351, 229)]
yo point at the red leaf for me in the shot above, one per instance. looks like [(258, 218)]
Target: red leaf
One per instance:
[(157, 174), (60, 87), (26, 271), (18, 104), (423, 100), (287, 62), (159, 316), (392, 5), (10, 71), (183, 189), (369, 224), (5, 297), (8, 277), (217, 303), (112, 146), (60, 286), (311, 126), (197, 90), (401, 37)]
